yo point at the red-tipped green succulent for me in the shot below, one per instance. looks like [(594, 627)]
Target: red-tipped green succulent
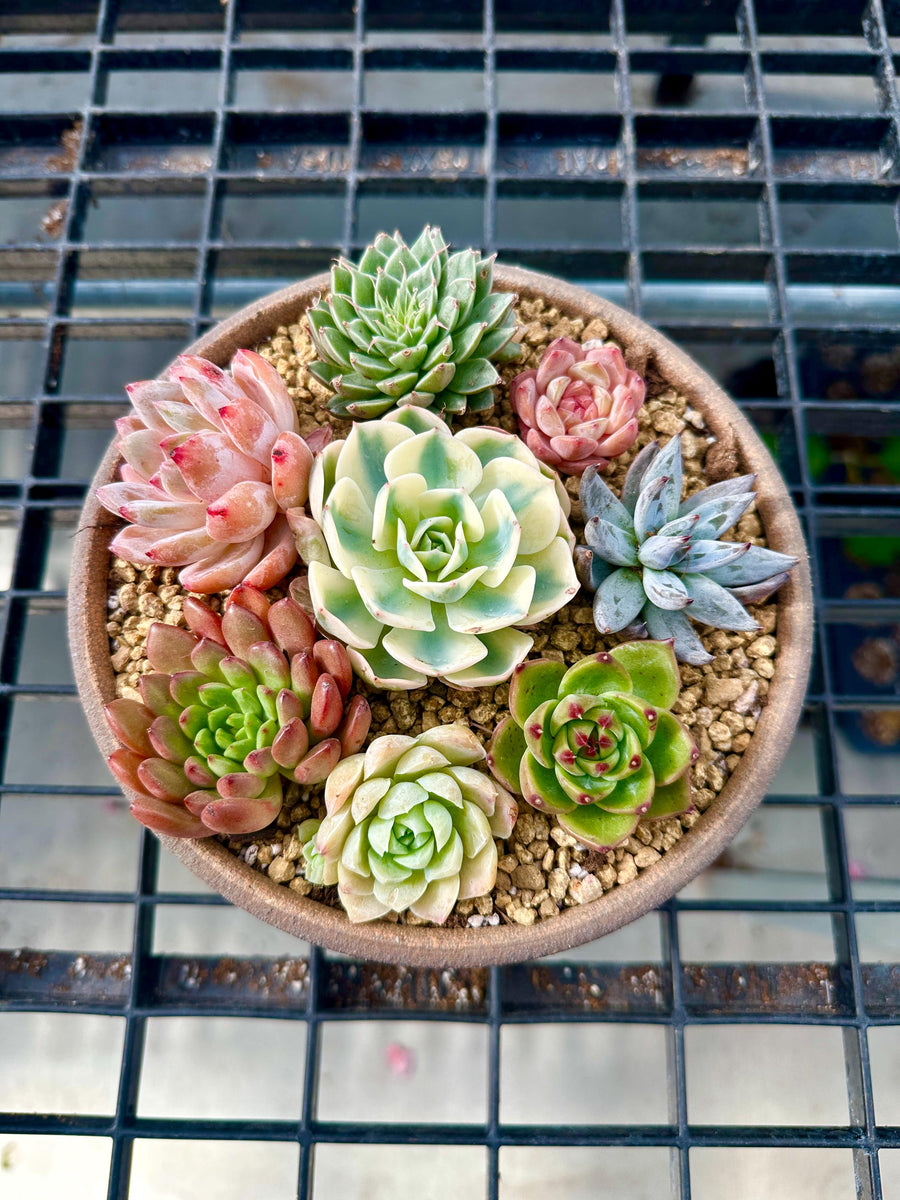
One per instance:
[(215, 474), (411, 825), (234, 706), (596, 744), (579, 408)]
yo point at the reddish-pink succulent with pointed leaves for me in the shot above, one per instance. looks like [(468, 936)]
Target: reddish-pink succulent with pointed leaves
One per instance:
[(579, 408), (214, 474), (234, 706)]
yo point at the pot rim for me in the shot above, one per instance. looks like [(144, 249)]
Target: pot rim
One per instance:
[(431, 946)]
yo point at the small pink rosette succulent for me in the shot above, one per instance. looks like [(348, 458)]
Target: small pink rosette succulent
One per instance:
[(215, 474), (579, 408)]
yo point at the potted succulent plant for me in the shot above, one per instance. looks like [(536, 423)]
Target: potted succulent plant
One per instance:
[(429, 610)]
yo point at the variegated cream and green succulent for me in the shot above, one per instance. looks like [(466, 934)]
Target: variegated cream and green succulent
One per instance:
[(410, 826), (597, 744), (655, 559), (412, 325), (435, 548)]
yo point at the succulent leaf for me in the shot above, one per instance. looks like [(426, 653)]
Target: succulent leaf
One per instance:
[(683, 568), (594, 743), (220, 737), (409, 826)]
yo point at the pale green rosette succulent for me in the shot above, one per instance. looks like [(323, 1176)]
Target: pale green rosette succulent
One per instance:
[(410, 825), (437, 546)]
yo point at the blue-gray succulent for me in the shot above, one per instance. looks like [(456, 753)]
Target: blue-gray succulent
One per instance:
[(654, 559)]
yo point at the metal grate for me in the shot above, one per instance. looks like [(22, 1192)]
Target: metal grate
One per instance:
[(728, 171)]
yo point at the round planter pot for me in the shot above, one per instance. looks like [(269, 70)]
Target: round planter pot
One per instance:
[(430, 946)]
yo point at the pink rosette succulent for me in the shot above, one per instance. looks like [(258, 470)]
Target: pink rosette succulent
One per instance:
[(215, 474), (579, 408)]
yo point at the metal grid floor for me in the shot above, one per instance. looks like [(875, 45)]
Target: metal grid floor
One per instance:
[(728, 171)]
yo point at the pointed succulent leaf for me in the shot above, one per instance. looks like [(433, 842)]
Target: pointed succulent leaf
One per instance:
[(741, 485), (618, 600), (715, 605), (751, 567), (609, 542), (631, 489), (665, 589), (663, 625), (650, 512), (598, 500)]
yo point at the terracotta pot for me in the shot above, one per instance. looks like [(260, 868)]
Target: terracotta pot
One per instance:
[(434, 947)]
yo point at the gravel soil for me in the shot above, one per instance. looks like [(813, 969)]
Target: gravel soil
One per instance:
[(542, 869)]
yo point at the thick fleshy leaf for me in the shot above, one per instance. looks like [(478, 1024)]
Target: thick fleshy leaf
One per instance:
[(506, 648), (609, 542), (596, 675), (532, 684), (631, 488), (714, 605), (597, 500), (555, 581), (650, 512), (618, 600), (339, 608), (124, 764), (671, 750), (756, 564), (319, 762), (541, 788), (170, 820), (437, 652), (130, 721), (663, 625), (243, 815), (671, 799), (653, 670), (598, 829), (665, 589), (727, 489), (456, 742)]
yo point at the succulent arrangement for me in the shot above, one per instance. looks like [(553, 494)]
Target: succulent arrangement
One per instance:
[(412, 325), (597, 744), (654, 558), (441, 545), (410, 826), (421, 556), (579, 408), (233, 706), (214, 469)]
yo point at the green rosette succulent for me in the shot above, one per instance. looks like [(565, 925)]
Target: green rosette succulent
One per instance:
[(597, 744), (655, 559), (434, 546), (410, 825), (412, 325)]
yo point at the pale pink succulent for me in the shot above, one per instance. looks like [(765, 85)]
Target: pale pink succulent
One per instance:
[(215, 470), (579, 408)]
